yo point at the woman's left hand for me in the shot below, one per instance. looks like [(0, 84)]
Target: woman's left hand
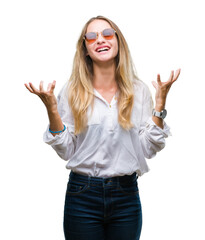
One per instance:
[(162, 89)]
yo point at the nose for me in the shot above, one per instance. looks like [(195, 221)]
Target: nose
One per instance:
[(100, 38)]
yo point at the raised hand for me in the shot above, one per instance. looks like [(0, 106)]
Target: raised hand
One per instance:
[(162, 89), (47, 97)]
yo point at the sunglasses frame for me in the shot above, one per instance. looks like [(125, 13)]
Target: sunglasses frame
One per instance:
[(98, 33)]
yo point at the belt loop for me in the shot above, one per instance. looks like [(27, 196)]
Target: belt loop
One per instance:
[(70, 175), (88, 181)]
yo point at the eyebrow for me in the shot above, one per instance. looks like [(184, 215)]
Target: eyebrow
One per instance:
[(99, 31)]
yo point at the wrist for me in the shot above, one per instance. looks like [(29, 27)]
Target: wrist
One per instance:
[(159, 107), (52, 110), (159, 114), (64, 127)]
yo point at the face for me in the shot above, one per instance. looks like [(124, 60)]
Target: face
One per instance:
[(93, 48)]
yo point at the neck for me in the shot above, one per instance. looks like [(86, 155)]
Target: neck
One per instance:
[(104, 76)]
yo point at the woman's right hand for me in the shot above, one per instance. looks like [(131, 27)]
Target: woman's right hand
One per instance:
[(47, 97)]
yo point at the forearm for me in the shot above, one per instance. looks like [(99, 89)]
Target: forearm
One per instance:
[(162, 89), (55, 121)]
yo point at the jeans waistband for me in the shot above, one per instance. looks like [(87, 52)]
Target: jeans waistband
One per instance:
[(100, 180)]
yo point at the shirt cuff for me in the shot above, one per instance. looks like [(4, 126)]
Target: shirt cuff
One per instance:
[(152, 127), (50, 139)]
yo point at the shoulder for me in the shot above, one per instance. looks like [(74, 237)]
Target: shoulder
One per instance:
[(63, 91), (62, 98), (141, 90), (64, 108)]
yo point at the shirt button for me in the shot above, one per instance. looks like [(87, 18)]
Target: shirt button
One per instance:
[(110, 106), (115, 98)]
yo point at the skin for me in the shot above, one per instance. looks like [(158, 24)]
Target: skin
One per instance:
[(50, 102), (162, 89), (103, 63), (104, 78)]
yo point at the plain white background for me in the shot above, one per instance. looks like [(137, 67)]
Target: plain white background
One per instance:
[(38, 40)]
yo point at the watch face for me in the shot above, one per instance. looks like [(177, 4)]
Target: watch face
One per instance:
[(164, 113)]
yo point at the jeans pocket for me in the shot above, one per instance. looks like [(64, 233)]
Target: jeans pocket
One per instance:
[(75, 188), (129, 188)]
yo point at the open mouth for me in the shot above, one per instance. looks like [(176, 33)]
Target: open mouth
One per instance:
[(104, 49)]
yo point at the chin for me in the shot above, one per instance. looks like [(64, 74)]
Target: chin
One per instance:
[(104, 59)]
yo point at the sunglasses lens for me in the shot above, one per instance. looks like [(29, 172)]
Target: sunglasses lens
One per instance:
[(108, 33), (91, 37)]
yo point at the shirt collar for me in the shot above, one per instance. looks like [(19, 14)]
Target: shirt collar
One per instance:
[(98, 95)]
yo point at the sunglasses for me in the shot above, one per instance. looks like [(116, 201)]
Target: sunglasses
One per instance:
[(107, 34)]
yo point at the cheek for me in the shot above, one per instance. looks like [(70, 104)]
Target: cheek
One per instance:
[(115, 45), (89, 51), (116, 49)]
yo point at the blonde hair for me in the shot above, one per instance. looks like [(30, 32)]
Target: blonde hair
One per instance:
[(80, 88)]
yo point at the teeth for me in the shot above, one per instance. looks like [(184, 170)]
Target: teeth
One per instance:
[(102, 49)]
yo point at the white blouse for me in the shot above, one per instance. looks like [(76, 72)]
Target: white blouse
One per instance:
[(105, 149)]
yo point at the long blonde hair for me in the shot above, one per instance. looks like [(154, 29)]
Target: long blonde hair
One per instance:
[(80, 88)]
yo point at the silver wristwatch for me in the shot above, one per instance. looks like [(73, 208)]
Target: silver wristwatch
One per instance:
[(161, 114)]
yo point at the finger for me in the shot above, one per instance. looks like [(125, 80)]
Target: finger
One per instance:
[(35, 90), (171, 76), (53, 86), (41, 86), (30, 90), (49, 87), (158, 79), (176, 75), (154, 84), (174, 79)]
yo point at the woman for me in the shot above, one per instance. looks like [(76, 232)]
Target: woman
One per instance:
[(103, 124)]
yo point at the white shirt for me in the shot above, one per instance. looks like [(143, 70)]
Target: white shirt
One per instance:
[(105, 149)]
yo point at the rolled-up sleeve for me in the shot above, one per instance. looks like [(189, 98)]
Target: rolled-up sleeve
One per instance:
[(63, 143), (152, 137)]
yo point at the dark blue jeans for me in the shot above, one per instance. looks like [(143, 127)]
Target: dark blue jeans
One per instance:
[(102, 208)]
